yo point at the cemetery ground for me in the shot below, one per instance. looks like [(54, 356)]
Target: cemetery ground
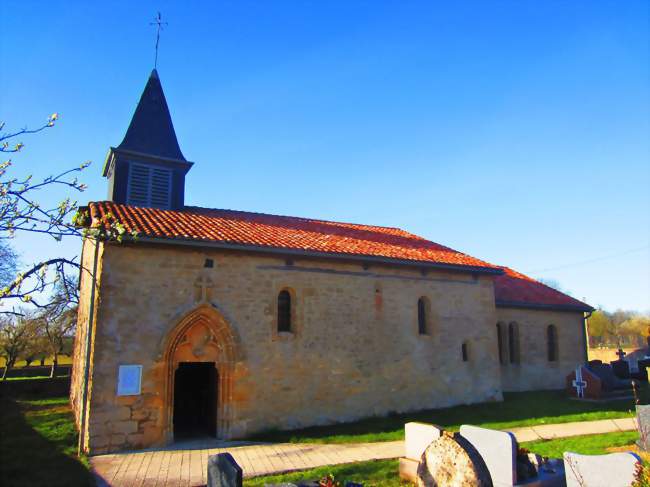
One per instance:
[(40, 431), (384, 472)]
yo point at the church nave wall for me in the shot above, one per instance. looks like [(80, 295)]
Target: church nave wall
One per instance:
[(355, 350), (534, 371)]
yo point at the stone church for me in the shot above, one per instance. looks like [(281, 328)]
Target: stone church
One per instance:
[(221, 323)]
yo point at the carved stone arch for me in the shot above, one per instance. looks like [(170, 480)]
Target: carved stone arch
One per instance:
[(202, 335)]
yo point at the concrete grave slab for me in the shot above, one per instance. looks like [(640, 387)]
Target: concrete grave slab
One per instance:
[(613, 470), (417, 437), (499, 452)]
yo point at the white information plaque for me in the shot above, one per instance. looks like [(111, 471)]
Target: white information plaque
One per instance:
[(128, 380)]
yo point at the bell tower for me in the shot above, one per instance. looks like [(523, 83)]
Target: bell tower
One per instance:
[(148, 168)]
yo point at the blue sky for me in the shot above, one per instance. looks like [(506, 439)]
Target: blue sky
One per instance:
[(514, 131)]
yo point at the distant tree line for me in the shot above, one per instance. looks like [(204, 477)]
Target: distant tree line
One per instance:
[(38, 301), (620, 328), (44, 332)]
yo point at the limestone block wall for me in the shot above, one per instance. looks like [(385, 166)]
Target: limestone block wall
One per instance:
[(534, 371), (354, 352), (83, 320)]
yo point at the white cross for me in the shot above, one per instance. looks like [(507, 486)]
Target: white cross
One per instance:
[(204, 283), (578, 383)]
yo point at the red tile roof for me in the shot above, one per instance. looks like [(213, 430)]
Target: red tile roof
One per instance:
[(513, 289), (260, 231)]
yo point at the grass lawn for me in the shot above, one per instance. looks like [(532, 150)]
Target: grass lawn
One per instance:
[(38, 444), (587, 445), (384, 472), (373, 473), (518, 409)]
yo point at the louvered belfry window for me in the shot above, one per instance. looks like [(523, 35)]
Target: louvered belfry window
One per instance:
[(149, 186)]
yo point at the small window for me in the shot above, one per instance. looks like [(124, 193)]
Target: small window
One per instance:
[(513, 342), (284, 311), (501, 343), (422, 317), (464, 352), (149, 186), (551, 343)]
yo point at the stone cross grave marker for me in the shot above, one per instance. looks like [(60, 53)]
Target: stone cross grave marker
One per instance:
[(579, 383), (621, 354), (223, 471)]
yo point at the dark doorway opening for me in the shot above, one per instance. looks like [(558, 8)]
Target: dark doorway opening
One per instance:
[(195, 400)]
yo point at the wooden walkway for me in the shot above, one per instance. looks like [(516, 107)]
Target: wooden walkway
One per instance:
[(185, 464)]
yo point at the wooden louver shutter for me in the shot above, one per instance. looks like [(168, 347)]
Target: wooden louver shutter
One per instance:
[(149, 186)]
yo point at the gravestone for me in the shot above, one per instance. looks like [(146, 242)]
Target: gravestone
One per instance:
[(223, 471), (582, 383), (417, 437), (507, 469), (643, 425), (498, 449), (621, 368), (451, 461), (613, 470), (642, 365), (579, 383)]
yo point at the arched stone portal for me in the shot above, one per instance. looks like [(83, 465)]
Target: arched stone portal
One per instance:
[(202, 336)]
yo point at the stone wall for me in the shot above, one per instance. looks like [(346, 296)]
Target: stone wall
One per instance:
[(83, 320), (355, 350), (534, 371)]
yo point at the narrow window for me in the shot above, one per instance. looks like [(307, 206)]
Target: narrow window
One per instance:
[(464, 352), (501, 342), (284, 311), (422, 317), (551, 343), (513, 342)]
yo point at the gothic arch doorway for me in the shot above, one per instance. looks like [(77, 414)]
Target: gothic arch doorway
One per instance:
[(200, 357)]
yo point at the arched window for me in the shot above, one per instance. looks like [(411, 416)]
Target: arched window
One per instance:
[(513, 342), (551, 343), (423, 329), (464, 351), (501, 342), (284, 311)]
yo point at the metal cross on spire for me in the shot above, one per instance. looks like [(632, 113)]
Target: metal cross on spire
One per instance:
[(159, 23)]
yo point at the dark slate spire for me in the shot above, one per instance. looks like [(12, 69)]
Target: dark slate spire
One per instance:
[(151, 130), (148, 168)]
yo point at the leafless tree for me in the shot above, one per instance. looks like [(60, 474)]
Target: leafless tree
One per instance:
[(57, 321), (8, 262), (20, 211), (16, 333)]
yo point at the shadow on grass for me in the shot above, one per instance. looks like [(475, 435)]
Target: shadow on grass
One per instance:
[(37, 440), (517, 409)]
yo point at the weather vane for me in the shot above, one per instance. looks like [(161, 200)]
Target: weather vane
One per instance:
[(159, 23)]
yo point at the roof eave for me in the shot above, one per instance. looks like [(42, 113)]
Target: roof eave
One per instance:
[(585, 308), (323, 255)]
